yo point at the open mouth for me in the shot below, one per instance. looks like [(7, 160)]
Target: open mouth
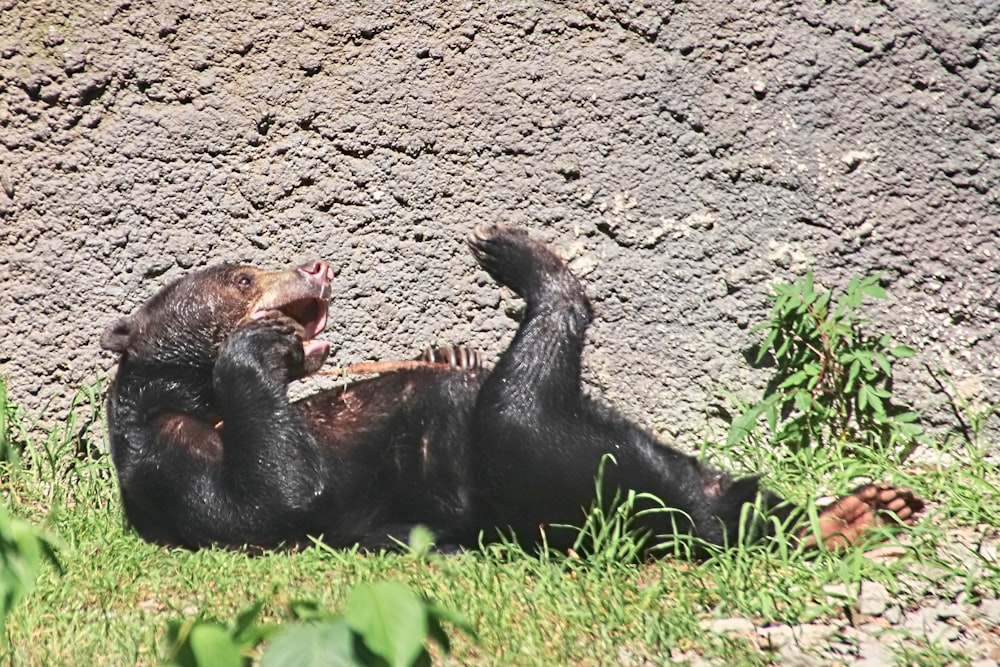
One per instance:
[(310, 313)]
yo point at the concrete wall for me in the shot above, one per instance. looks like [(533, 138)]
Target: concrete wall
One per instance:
[(682, 154)]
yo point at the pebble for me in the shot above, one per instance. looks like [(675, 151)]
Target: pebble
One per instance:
[(874, 598), (727, 626), (989, 611), (893, 615), (775, 636), (875, 652), (947, 611), (803, 636)]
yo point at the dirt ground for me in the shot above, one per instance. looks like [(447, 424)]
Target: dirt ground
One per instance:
[(682, 154)]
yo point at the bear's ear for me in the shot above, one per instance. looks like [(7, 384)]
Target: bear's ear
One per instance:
[(117, 336)]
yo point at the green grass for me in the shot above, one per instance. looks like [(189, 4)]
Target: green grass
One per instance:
[(116, 594)]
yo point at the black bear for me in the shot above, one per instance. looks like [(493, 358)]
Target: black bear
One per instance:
[(210, 451)]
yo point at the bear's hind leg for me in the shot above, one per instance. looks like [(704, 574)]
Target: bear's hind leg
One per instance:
[(537, 446), (541, 367)]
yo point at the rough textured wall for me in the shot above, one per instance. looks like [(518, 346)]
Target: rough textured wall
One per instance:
[(682, 154)]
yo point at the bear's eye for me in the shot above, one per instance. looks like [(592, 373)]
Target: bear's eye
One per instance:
[(244, 281)]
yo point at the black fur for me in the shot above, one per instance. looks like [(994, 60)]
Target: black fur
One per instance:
[(209, 450)]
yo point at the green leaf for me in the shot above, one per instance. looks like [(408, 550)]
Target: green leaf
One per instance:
[(782, 348), (743, 425), (766, 344), (793, 434), (881, 392), (329, 644), (23, 549), (247, 618), (902, 352), (882, 362), (391, 620), (212, 646), (309, 610), (865, 359), (874, 291), (907, 417), (794, 379), (806, 288), (255, 635), (821, 305), (803, 401), (772, 416), (421, 541), (852, 375), (875, 401)]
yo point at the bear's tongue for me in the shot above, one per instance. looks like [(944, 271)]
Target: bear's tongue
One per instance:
[(310, 313)]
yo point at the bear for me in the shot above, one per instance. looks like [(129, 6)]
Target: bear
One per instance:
[(210, 451)]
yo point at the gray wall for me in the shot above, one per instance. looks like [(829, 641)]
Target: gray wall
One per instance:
[(682, 154)]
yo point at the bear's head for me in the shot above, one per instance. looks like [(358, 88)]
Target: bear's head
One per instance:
[(186, 322)]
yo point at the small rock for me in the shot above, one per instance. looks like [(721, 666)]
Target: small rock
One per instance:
[(989, 610), (925, 623), (804, 636), (873, 599), (310, 63), (91, 119), (53, 37), (775, 636), (893, 614), (702, 221), (950, 611), (739, 626), (581, 266), (874, 651), (74, 61), (792, 658), (627, 658), (51, 93)]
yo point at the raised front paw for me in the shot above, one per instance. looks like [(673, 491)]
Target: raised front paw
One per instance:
[(277, 342)]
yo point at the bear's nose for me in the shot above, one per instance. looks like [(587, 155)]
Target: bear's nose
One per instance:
[(318, 270)]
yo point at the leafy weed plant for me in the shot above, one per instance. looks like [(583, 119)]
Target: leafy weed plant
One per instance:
[(384, 623), (23, 547), (832, 382)]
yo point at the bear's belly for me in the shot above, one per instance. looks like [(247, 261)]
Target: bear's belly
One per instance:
[(398, 445)]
